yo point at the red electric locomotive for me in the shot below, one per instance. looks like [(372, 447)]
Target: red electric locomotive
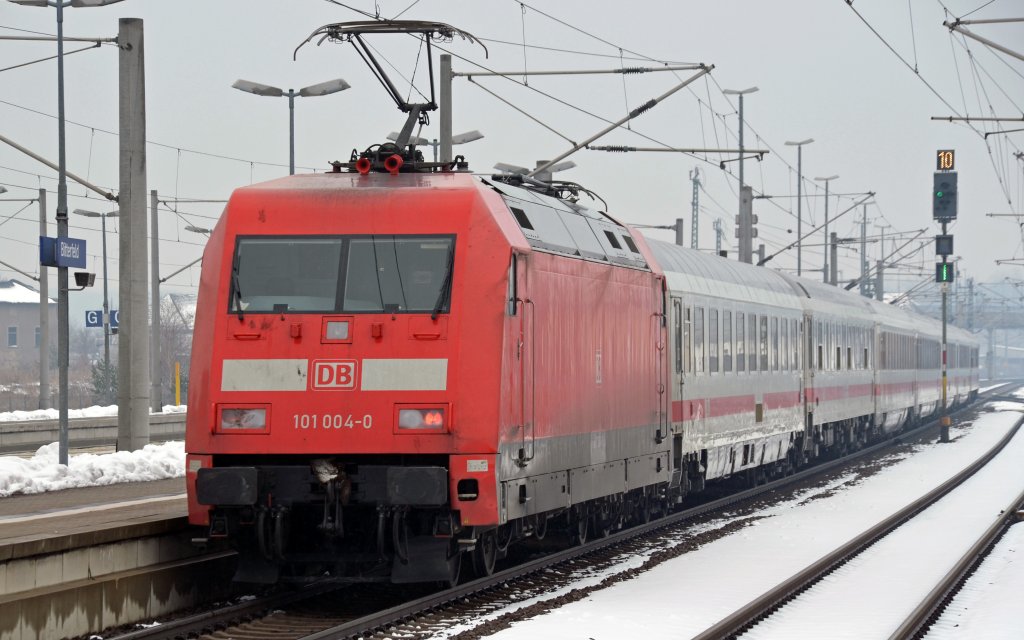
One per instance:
[(374, 350)]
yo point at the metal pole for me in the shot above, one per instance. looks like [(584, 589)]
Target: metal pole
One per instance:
[(863, 252), (156, 399), (991, 354), (970, 304), (879, 280), (746, 225), (106, 310), (743, 222), (133, 354), (834, 249), (799, 212), (62, 232), (291, 132), (694, 211), (825, 274), (44, 316), (446, 107), (944, 420)]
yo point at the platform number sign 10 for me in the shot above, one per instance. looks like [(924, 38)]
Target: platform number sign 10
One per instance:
[(945, 160)]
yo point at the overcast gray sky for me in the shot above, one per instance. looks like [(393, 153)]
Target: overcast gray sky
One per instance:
[(821, 71)]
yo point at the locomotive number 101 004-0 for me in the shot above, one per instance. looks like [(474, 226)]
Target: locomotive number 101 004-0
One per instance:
[(331, 421)]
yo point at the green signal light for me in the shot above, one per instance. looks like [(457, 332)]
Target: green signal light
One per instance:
[(938, 194)]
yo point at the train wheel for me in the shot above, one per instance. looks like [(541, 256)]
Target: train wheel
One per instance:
[(263, 534), (485, 554), (645, 509), (280, 535), (455, 566), (603, 520), (503, 538), (579, 524), (540, 530)]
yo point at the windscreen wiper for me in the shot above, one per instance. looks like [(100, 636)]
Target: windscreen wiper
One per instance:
[(445, 294), (236, 295)]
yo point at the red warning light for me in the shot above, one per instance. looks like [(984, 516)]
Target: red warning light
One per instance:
[(434, 419)]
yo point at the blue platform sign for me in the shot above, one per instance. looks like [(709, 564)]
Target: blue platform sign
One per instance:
[(94, 318), (62, 252)]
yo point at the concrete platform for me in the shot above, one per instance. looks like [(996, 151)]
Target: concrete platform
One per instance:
[(59, 520), (77, 561)]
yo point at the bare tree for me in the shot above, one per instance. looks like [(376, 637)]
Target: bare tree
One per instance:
[(177, 319)]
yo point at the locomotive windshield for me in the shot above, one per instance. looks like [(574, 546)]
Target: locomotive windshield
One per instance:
[(353, 274)]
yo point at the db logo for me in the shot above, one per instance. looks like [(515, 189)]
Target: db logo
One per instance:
[(334, 374)]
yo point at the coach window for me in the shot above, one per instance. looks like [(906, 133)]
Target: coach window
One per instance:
[(794, 341), (784, 344), (752, 342), (688, 341), (819, 342), (774, 344), (698, 338), (741, 358), (727, 341), (764, 343), (12, 337), (712, 340), (830, 346), (677, 331), (839, 349)]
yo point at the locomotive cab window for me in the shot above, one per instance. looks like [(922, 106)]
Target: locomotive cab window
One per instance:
[(329, 274)]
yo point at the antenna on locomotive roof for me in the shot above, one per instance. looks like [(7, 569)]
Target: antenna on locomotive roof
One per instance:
[(427, 32)]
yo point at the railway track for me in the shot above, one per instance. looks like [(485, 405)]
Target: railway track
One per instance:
[(925, 614), (777, 598), (319, 612)]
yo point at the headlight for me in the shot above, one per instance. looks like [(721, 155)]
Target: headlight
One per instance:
[(430, 419), (238, 418)]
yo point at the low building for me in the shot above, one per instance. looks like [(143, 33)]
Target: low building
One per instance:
[(19, 328)]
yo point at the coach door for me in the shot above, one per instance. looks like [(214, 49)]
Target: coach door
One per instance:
[(811, 357), (676, 384)]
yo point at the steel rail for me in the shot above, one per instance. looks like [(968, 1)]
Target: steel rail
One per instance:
[(926, 613), (382, 619), (208, 621), (767, 603)]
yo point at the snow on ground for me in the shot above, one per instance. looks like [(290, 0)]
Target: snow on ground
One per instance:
[(42, 473), (988, 605), (892, 577), (88, 412), (682, 597)]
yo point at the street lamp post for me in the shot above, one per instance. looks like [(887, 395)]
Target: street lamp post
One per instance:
[(744, 220), (321, 89), (799, 199), (63, 332), (106, 301), (824, 271)]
